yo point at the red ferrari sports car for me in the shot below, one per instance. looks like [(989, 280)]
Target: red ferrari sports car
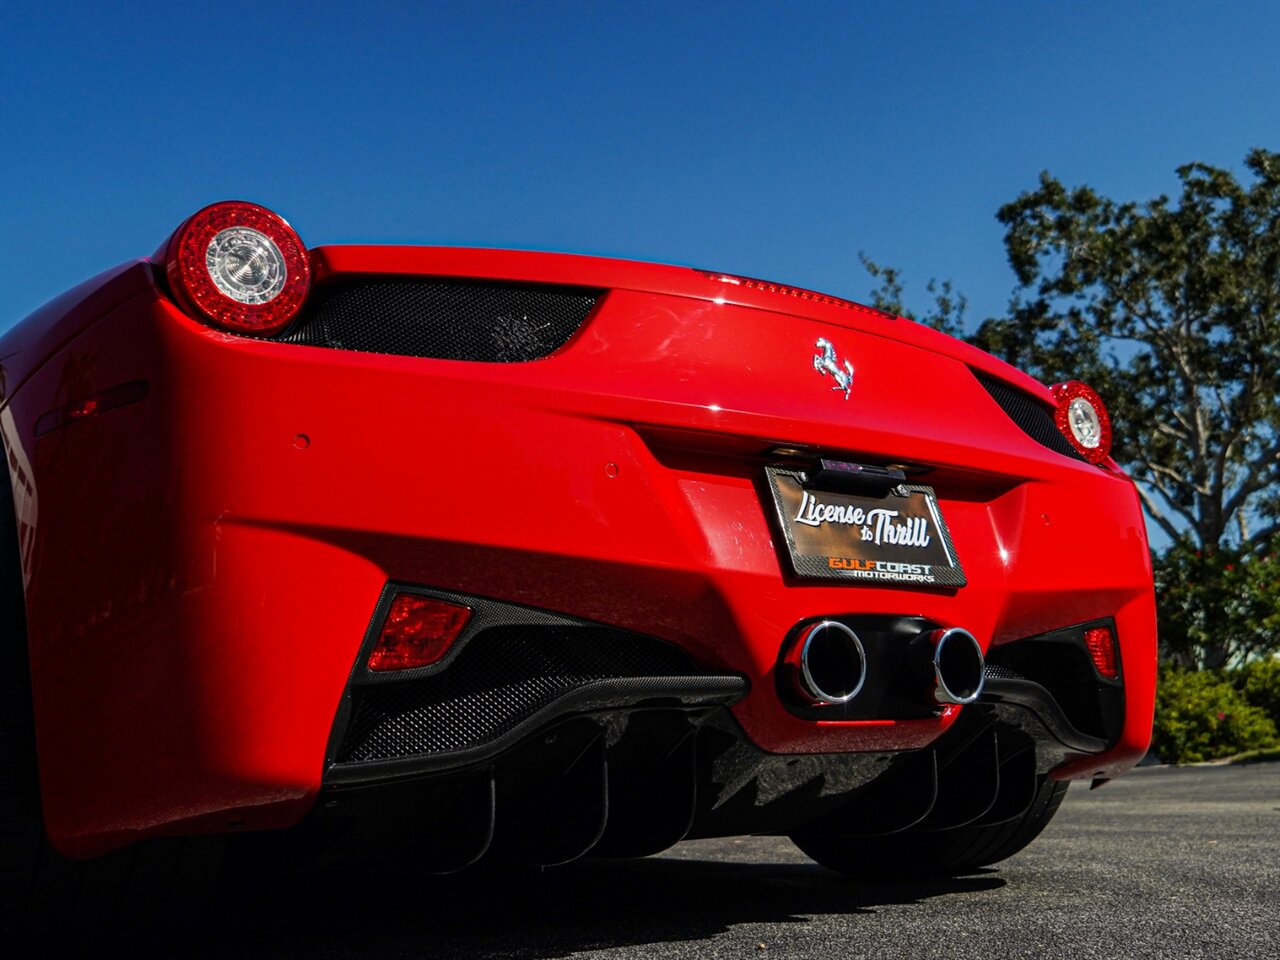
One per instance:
[(446, 554)]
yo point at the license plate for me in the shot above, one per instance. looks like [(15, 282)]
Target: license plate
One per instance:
[(896, 539)]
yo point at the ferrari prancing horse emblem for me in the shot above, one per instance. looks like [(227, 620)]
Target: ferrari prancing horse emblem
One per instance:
[(826, 362)]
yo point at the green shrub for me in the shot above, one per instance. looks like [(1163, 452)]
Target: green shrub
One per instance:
[(1217, 606), (1201, 716), (1259, 682)]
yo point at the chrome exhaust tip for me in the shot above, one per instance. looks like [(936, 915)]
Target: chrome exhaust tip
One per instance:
[(958, 667), (831, 664)]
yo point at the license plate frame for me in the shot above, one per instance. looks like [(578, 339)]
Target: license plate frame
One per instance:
[(826, 535)]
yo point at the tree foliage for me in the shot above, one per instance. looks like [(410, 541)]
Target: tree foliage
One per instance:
[(1201, 716), (1171, 310), (1218, 607), (946, 312), (1259, 683)]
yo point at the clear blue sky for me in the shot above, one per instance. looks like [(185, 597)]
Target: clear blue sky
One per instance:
[(772, 139)]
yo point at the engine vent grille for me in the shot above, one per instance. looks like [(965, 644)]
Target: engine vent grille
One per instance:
[(1031, 416), (502, 677), (444, 319)]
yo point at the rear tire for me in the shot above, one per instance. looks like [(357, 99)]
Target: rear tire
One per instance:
[(46, 899), (925, 853)]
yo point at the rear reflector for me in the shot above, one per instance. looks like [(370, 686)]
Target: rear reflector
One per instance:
[(418, 632), (91, 406), (1102, 650)]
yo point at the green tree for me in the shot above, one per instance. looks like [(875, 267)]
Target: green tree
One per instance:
[(1171, 310), (1217, 607), (946, 313)]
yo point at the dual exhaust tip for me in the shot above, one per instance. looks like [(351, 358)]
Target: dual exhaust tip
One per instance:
[(830, 664)]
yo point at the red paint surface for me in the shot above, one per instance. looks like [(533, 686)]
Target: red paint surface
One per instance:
[(199, 582)]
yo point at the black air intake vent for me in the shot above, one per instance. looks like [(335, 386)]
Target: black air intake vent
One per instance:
[(501, 678), (443, 319), (1031, 416), (1060, 662)]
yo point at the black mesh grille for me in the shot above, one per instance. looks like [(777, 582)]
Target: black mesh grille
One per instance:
[(1060, 663), (445, 320), (1031, 417), (995, 671), (502, 677)]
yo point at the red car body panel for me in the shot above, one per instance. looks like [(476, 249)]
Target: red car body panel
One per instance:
[(202, 564)]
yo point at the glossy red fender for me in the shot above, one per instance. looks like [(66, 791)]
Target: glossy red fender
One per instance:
[(202, 564)]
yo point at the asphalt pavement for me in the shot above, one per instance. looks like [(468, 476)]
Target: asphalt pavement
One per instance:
[(1164, 862)]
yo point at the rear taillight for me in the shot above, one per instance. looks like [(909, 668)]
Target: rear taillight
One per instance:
[(91, 406), (417, 632), (238, 266), (1083, 420), (1101, 643)]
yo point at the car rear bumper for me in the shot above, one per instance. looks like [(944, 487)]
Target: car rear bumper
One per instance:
[(226, 569)]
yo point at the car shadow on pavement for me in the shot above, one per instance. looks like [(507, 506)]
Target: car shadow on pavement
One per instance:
[(534, 915)]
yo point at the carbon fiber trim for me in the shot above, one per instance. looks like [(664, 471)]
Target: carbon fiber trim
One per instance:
[(632, 782), (818, 568)]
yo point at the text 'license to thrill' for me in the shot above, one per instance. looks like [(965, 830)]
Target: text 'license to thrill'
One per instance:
[(899, 538)]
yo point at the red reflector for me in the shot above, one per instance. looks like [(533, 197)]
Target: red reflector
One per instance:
[(117, 396), (1102, 648), (418, 631)]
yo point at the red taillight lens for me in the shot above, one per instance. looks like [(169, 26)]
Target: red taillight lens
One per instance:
[(417, 632), (1083, 419), (1102, 650), (117, 396), (238, 266)]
